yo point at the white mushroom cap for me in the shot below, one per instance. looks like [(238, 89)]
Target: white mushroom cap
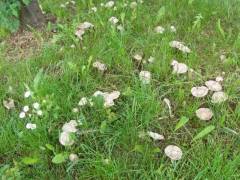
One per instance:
[(219, 97), (155, 136), (137, 57), (179, 68), (9, 104), (213, 85), (70, 126), (145, 77), (73, 157), (200, 91), (100, 66), (204, 114), (65, 139), (173, 152)]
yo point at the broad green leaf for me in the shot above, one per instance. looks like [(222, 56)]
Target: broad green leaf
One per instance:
[(204, 132), (161, 13), (139, 148), (220, 29), (30, 160), (50, 147), (181, 122), (59, 158)]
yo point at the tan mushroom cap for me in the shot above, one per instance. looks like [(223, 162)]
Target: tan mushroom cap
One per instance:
[(204, 114), (213, 85), (199, 91), (219, 97), (173, 152)]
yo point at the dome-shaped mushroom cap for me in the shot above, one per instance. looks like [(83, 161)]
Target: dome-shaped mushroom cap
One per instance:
[(219, 97), (200, 91), (173, 152), (179, 68), (65, 139), (213, 85), (204, 114)]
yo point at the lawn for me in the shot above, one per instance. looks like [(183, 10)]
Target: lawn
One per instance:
[(101, 92)]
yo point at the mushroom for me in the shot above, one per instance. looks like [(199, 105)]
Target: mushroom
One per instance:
[(155, 136), (70, 126), (179, 68), (204, 114), (9, 104), (219, 97), (173, 152), (213, 85), (199, 91), (100, 66), (66, 139), (145, 77)]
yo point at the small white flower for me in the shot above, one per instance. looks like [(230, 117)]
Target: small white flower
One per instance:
[(75, 110), (219, 97), (204, 114), (94, 9), (101, 4), (173, 29), (145, 77), (200, 91), (151, 59), (213, 85), (66, 139), (36, 105), (39, 112), (159, 29), (27, 94), (115, 8), (70, 126), (72, 46), (133, 5), (109, 4), (173, 152), (113, 20), (155, 136), (100, 66), (31, 126), (9, 104), (73, 157), (26, 109), (179, 68), (22, 115)]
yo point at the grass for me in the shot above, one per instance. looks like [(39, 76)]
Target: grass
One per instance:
[(109, 146)]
